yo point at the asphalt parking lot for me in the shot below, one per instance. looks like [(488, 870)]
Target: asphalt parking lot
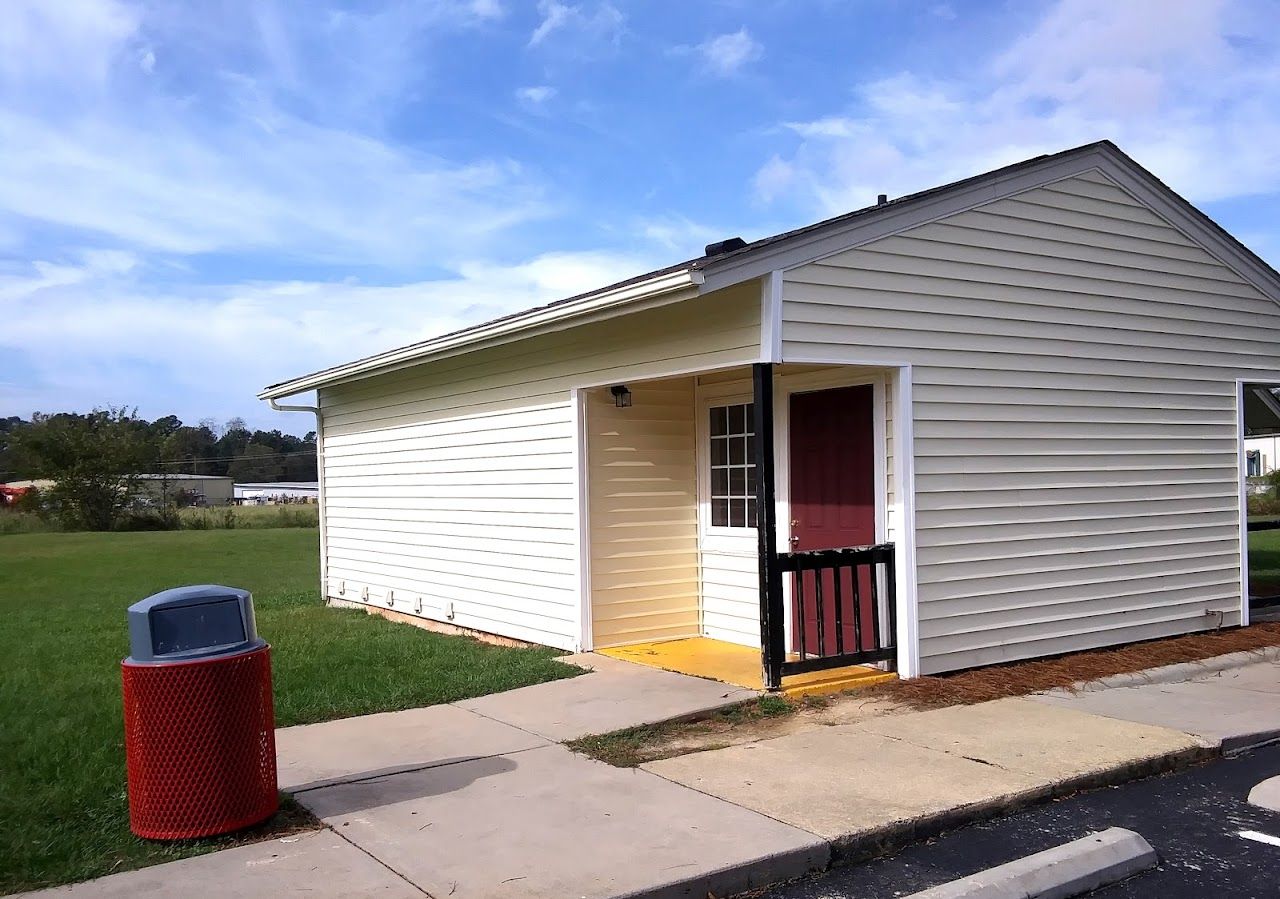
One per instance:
[(1193, 819)]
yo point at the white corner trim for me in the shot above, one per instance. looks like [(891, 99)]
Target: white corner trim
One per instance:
[(771, 317), (582, 513), (1243, 484), (905, 506)]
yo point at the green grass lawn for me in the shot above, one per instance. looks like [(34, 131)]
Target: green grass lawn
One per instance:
[(1264, 563), (62, 601)]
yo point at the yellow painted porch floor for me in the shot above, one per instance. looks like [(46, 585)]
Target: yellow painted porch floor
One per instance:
[(740, 665)]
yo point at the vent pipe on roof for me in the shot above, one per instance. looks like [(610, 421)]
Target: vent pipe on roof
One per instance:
[(882, 199), (724, 246)]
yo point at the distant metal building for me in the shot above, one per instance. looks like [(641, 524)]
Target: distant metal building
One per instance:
[(206, 490), (284, 491)]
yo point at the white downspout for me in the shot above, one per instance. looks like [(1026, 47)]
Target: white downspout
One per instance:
[(320, 504)]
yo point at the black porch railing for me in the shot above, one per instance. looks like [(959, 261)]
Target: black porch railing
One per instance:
[(843, 599), (842, 604)]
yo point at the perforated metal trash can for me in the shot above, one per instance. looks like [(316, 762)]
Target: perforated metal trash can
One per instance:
[(199, 721)]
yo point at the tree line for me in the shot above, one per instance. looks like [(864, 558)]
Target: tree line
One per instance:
[(96, 458), (28, 449)]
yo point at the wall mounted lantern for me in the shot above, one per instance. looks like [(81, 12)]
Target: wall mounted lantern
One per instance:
[(621, 395)]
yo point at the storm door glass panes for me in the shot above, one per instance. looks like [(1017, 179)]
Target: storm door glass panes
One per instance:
[(733, 470)]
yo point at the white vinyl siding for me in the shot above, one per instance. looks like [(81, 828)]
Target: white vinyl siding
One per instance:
[(731, 597), (643, 514), (455, 481), (1074, 363)]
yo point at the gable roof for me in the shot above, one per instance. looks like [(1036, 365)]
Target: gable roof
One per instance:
[(702, 274)]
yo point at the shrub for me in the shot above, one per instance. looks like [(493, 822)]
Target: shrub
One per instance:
[(1263, 504), (199, 521), (14, 521), (164, 518)]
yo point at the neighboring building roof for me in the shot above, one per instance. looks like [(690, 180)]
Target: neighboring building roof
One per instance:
[(183, 477), (1261, 410), (282, 485), (702, 274)]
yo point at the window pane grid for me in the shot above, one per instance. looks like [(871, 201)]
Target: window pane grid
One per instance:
[(733, 470)]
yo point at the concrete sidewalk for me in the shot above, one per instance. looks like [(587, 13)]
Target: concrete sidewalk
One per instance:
[(895, 778), (1227, 709), (478, 799)]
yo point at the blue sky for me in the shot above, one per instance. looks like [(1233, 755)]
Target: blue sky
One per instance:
[(198, 199)]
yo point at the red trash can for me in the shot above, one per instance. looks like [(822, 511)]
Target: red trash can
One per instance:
[(199, 721)]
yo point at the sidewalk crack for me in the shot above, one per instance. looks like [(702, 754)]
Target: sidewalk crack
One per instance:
[(379, 861), (550, 741)]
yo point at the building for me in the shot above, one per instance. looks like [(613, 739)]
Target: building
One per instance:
[(1024, 389), (1260, 455), (283, 492), (201, 490), (164, 489), (1262, 432)]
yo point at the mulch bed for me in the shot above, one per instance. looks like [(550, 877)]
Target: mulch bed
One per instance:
[(1021, 678)]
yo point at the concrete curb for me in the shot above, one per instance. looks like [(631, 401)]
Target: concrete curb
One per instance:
[(854, 848), (1071, 869), (1173, 673), (738, 879), (1238, 743), (1266, 794)]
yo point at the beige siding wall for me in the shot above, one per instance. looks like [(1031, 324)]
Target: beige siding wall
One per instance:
[(454, 482), (643, 513), (1075, 423)]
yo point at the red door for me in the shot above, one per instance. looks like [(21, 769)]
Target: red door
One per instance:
[(833, 505)]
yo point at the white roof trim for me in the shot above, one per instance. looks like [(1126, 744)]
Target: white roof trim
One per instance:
[(810, 247), (501, 331), (822, 240)]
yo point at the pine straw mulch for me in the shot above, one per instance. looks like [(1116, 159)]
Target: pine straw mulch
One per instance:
[(1021, 678)]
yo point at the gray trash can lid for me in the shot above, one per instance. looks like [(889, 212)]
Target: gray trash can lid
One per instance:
[(184, 623)]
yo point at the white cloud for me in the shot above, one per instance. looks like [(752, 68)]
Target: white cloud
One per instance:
[(487, 9), (603, 25), (285, 186), (679, 234), (773, 179), (554, 17), (237, 163), (535, 95), (73, 39), (726, 54), (90, 332), (1189, 99)]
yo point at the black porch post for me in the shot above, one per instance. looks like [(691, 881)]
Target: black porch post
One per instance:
[(772, 637)]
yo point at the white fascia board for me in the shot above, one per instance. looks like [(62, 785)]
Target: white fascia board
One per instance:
[(806, 248), (1193, 223), (878, 223), (670, 287)]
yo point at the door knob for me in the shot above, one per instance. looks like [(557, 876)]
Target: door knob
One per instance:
[(794, 540)]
